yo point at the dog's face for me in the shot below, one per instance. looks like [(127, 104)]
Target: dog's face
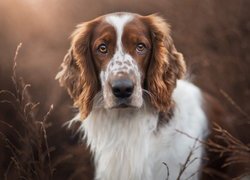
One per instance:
[(118, 60), (121, 48)]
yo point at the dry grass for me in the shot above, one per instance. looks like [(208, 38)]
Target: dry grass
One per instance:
[(232, 150), (30, 157), (29, 150), (236, 154)]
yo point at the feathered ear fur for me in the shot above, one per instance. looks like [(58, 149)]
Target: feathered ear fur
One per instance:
[(166, 65), (78, 73)]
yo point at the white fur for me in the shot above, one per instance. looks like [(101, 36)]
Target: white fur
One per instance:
[(127, 145)]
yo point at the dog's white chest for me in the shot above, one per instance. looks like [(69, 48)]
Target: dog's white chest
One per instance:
[(128, 146)]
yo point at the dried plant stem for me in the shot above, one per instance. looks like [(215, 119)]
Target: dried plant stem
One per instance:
[(167, 178), (30, 157), (188, 160), (234, 104)]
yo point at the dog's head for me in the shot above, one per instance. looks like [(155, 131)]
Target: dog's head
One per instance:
[(119, 59)]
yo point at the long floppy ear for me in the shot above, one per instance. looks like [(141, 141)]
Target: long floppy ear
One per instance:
[(166, 65), (78, 73)]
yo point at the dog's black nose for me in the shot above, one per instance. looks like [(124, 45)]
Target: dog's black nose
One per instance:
[(122, 88)]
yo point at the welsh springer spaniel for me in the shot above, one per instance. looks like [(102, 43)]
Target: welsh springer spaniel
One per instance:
[(140, 120)]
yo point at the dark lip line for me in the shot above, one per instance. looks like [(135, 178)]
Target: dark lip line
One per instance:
[(122, 106)]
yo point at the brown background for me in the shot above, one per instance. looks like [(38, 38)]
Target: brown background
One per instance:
[(214, 37)]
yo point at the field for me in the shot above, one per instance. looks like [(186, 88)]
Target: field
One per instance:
[(214, 37)]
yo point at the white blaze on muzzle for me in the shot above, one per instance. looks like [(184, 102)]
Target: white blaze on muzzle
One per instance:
[(122, 72)]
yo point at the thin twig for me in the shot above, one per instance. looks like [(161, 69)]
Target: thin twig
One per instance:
[(234, 104), (167, 178), (187, 162)]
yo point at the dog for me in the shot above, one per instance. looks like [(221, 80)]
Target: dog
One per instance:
[(141, 118)]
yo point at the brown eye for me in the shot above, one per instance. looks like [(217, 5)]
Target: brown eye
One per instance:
[(140, 47), (103, 49)]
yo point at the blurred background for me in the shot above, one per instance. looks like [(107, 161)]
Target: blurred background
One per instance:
[(214, 37)]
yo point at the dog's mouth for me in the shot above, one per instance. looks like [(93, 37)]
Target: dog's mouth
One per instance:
[(123, 103)]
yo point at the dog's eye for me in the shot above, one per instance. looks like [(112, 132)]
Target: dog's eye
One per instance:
[(140, 47), (103, 49)]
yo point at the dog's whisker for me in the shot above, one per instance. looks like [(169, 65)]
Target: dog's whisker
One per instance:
[(97, 97), (98, 100), (147, 93)]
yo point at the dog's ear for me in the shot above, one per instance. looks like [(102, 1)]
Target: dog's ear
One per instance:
[(166, 65), (69, 76), (78, 73)]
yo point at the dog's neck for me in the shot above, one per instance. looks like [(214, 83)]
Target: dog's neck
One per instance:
[(119, 138), (121, 122)]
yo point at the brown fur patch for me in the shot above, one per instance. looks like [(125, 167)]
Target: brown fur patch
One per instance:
[(165, 117), (103, 33), (166, 66), (78, 72)]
